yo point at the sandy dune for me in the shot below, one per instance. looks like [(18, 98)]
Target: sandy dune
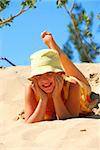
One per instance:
[(71, 134)]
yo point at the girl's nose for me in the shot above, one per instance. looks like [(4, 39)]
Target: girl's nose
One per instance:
[(45, 81)]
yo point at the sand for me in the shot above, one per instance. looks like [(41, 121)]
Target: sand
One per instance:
[(70, 134)]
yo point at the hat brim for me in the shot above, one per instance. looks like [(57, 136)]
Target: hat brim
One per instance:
[(44, 69)]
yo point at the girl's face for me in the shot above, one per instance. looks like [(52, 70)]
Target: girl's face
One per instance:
[(47, 81)]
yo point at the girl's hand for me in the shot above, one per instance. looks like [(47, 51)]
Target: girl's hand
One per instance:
[(47, 37), (59, 81), (39, 92)]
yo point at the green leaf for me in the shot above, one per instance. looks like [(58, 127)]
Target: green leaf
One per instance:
[(4, 4), (29, 3), (61, 3)]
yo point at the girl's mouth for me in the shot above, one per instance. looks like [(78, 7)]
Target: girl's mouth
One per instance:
[(47, 86)]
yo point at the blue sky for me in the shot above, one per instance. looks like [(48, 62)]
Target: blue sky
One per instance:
[(23, 38)]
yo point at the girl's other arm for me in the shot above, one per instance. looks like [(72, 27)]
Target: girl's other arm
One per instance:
[(34, 112)]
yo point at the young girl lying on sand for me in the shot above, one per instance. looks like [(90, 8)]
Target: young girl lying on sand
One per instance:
[(58, 90)]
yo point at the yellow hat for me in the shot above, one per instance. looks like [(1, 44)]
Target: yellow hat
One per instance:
[(45, 60)]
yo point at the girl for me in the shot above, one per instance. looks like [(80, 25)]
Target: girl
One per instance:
[(58, 90)]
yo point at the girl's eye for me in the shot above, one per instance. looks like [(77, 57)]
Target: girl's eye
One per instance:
[(50, 74), (38, 76)]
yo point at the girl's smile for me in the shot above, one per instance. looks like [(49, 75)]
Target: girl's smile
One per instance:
[(47, 81)]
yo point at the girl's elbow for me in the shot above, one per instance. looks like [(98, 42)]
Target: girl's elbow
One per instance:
[(76, 114), (29, 120)]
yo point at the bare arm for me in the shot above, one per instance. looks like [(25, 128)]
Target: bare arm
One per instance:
[(34, 112), (61, 110), (38, 114)]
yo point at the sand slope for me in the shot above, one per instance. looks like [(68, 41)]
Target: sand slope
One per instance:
[(71, 134)]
